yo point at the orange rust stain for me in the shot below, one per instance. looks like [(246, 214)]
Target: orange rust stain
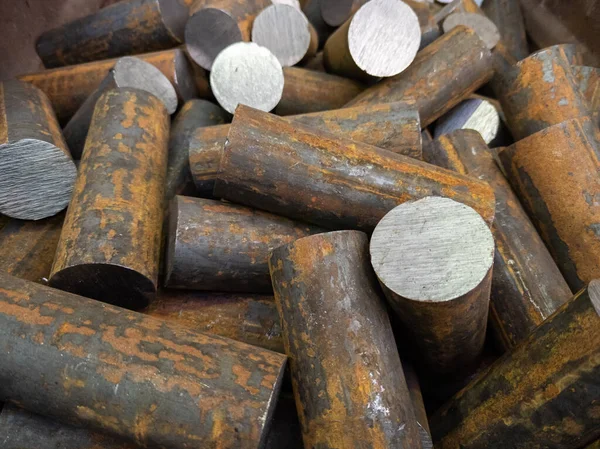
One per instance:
[(242, 377)]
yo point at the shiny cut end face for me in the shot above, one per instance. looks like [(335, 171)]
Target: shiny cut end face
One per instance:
[(133, 72), (594, 293), (174, 15), (246, 73), (432, 250), (384, 37), (208, 32), (484, 27)]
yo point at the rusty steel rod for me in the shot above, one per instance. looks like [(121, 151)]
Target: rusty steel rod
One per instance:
[(94, 365), (507, 16), (346, 372), (37, 172), (588, 82), (542, 394), (442, 75), (414, 388), (110, 241), (125, 28), (527, 286), (327, 180)]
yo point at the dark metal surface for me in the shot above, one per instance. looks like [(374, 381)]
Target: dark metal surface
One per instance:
[(414, 389), (336, 12), (442, 75), (588, 81), (507, 16), (37, 172), (110, 242), (544, 394), (98, 366), (328, 180), (346, 372), (555, 174), (527, 286), (125, 28), (193, 115)]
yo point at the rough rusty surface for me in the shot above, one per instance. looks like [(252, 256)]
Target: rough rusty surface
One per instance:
[(68, 87), (193, 115), (544, 394), (110, 242), (414, 388), (218, 246), (507, 16), (540, 92), (248, 318), (555, 174), (27, 247), (286, 168), (442, 75), (527, 286), (346, 372), (125, 28), (311, 91), (588, 80), (99, 366), (395, 127)]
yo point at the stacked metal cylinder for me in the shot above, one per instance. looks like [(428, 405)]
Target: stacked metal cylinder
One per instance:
[(329, 224)]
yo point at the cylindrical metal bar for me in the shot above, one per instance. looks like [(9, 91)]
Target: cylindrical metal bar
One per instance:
[(527, 286), (248, 318), (346, 372), (588, 81), (37, 172), (312, 9), (555, 173), (27, 247), (286, 32), (477, 114), (193, 115), (507, 16), (110, 242), (216, 24), (543, 394), (433, 258), (68, 87), (217, 246), (127, 72), (99, 366), (539, 92), (311, 91), (395, 127), (414, 389), (328, 180), (380, 40), (336, 12), (125, 28), (315, 63), (442, 75)]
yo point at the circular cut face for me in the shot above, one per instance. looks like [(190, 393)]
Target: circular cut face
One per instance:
[(36, 179), (384, 37), (208, 32), (174, 15), (484, 27), (474, 113), (284, 30), (133, 72), (434, 249), (249, 74)]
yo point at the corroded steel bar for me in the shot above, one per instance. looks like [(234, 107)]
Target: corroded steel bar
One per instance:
[(27, 247), (89, 364), (68, 87), (193, 115), (127, 72), (125, 28), (110, 242), (332, 316), (311, 91), (217, 246), (433, 258), (507, 16), (380, 40), (542, 394), (555, 174), (248, 318), (414, 389), (527, 286), (588, 81), (395, 127), (213, 25), (329, 180), (37, 172), (442, 75), (540, 92)]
